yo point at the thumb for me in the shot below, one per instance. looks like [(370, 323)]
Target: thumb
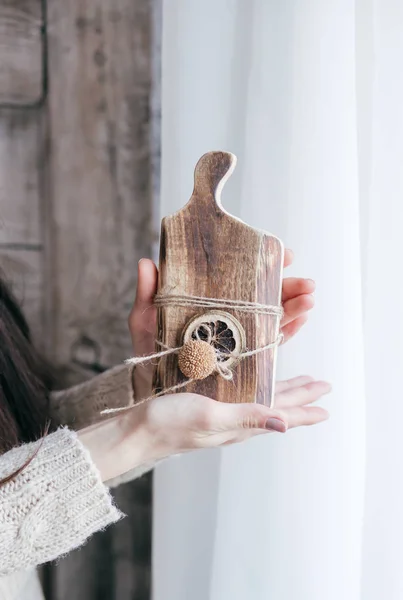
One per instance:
[(143, 316), (250, 416), (146, 284)]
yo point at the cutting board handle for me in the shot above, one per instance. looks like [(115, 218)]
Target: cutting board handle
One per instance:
[(211, 172)]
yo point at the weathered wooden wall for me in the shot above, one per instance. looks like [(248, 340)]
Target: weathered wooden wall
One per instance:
[(78, 162)]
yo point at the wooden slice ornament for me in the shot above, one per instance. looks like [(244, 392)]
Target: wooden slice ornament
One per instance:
[(219, 296), (222, 331)]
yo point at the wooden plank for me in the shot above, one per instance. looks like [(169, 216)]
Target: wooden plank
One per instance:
[(21, 50), (98, 212), (206, 252), (20, 144), (23, 270), (21, 244), (100, 78)]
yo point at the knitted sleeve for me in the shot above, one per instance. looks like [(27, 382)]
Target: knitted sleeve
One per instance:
[(81, 406), (53, 505)]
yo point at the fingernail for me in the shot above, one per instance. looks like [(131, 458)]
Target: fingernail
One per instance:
[(276, 425), (313, 283)]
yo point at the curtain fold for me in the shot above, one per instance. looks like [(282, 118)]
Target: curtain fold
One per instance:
[(383, 297), (308, 95)]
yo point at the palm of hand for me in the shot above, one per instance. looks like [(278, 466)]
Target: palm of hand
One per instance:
[(195, 421)]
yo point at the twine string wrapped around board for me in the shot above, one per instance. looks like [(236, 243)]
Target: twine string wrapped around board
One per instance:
[(220, 303), (197, 357)]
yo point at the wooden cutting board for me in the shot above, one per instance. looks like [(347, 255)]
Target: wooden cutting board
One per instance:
[(206, 252)]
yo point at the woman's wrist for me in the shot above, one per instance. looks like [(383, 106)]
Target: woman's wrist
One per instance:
[(117, 445)]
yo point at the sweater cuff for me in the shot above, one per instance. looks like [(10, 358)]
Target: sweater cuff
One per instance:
[(82, 405), (53, 505)]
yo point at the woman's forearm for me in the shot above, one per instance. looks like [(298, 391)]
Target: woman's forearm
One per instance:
[(81, 405), (80, 408)]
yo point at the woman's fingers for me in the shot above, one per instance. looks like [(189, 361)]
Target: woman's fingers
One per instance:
[(181, 422), (147, 283), (297, 300), (232, 417), (290, 409), (296, 286), (289, 384), (142, 319), (198, 413), (288, 257), (301, 416), (283, 416), (296, 307), (303, 394), (292, 328), (293, 417)]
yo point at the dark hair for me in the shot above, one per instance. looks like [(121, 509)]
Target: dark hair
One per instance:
[(25, 379)]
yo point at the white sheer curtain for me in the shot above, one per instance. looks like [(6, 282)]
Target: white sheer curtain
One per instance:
[(309, 95)]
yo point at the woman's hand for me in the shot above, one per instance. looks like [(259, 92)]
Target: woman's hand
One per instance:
[(177, 423), (297, 300), (181, 422)]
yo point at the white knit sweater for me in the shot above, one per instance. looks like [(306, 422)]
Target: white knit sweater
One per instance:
[(58, 500)]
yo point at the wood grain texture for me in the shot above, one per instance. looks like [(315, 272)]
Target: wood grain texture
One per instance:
[(207, 252), (22, 52), (21, 235), (99, 221), (100, 173), (75, 217)]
